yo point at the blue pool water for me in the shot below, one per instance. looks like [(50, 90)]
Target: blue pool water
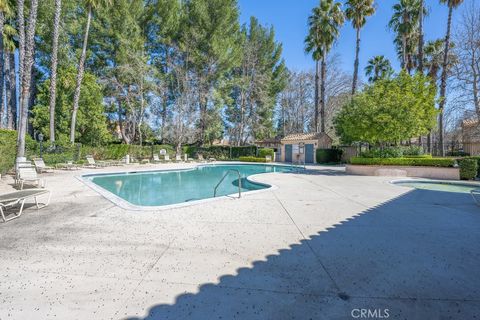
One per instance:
[(158, 188)]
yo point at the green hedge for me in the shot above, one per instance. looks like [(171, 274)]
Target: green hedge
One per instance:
[(262, 153), (477, 158), (8, 142), (221, 152), (329, 155), (468, 168), (394, 152), (426, 162), (252, 159)]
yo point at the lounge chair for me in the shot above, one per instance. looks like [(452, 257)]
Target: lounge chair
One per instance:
[(19, 197), (166, 158), (178, 158), (156, 159), (41, 167), (69, 165), (29, 175), (200, 158), (91, 163), (268, 158), (475, 195), (187, 159)]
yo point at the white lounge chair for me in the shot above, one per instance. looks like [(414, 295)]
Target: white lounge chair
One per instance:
[(29, 175), (166, 158), (91, 163), (200, 158), (187, 159), (476, 195), (178, 158), (156, 158), (19, 197), (69, 165), (41, 167)]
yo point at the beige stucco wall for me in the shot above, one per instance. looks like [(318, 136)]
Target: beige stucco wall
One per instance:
[(302, 156), (405, 171)]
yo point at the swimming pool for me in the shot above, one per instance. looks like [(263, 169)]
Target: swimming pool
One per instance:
[(162, 188), (433, 185)]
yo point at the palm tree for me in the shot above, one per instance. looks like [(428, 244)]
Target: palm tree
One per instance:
[(324, 27), (452, 4), (357, 12), (4, 12), (21, 42), (54, 63), (9, 69), (91, 5), (26, 78), (404, 23), (420, 37), (378, 68)]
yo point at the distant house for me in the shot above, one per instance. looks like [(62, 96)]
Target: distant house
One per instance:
[(471, 136), (302, 147)]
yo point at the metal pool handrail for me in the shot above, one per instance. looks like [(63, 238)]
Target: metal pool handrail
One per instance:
[(223, 178)]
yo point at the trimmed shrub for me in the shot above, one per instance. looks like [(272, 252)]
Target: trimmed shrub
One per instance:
[(395, 152), (425, 162), (329, 155), (478, 164), (424, 156), (8, 142), (262, 153), (252, 159), (468, 168)]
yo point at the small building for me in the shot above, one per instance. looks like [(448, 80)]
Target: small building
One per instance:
[(302, 147), (471, 136)]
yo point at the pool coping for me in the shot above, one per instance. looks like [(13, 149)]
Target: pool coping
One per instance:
[(396, 182), (124, 204)]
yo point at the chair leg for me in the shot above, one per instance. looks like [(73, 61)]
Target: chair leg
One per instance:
[(43, 205)]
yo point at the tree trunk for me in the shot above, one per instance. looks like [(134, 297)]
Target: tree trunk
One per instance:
[(21, 43), (317, 91), (420, 38), (3, 105), (27, 74), (11, 88), (404, 52), (322, 95), (54, 63), (443, 86), (81, 69), (355, 66)]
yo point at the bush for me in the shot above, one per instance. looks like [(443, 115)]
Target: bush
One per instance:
[(395, 152), (8, 141), (262, 153), (426, 162), (252, 159), (478, 164), (329, 155), (391, 152), (468, 168), (424, 156), (221, 152)]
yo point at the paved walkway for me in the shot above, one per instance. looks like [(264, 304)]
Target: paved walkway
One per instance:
[(321, 246)]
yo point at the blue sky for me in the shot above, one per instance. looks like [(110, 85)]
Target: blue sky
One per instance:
[(289, 18)]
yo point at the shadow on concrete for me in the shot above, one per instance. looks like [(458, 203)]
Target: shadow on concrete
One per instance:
[(417, 255)]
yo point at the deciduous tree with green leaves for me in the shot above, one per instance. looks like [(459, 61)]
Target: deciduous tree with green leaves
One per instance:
[(389, 111)]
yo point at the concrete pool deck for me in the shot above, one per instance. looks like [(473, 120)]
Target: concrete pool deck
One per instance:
[(320, 246)]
